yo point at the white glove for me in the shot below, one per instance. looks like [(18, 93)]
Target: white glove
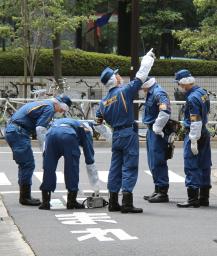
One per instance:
[(158, 131), (104, 131), (195, 130), (151, 54), (194, 148), (145, 67), (160, 122), (92, 174), (41, 133)]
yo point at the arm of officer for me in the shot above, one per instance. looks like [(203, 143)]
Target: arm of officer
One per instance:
[(195, 127), (141, 75), (104, 131), (164, 114), (41, 133), (99, 115), (45, 116), (146, 65), (87, 145)]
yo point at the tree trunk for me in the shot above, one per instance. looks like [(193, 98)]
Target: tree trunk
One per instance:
[(3, 45), (124, 28), (57, 57), (79, 38)]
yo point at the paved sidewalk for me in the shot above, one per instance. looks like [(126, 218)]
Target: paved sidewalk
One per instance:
[(12, 242)]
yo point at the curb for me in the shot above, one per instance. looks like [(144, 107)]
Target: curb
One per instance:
[(12, 242), (103, 143)]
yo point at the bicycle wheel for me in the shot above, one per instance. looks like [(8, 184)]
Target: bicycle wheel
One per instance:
[(76, 112)]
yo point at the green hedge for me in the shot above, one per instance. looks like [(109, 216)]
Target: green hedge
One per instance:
[(81, 63)]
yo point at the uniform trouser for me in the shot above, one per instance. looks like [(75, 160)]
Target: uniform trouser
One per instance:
[(123, 171), (59, 144), (20, 143), (156, 152), (198, 167)]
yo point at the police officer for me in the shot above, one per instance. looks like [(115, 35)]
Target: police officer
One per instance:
[(63, 139), (32, 116), (156, 114), (197, 151), (116, 108)]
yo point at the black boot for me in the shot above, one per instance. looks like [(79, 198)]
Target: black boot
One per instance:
[(204, 196), (152, 195), (25, 196), (113, 202), (161, 196), (193, 200), (45, 205), (127, 204), (71, 201)]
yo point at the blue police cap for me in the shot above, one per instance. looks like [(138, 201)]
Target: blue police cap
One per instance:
[(64, 99), (183, 73), (107, 74)]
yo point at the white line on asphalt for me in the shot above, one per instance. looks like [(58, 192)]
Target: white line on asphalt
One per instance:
[(3, 179), (60, 176), (173, 177)]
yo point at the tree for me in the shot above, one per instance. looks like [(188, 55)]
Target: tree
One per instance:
[(201, 42), (40, 19), (159, 18), (5, 27)]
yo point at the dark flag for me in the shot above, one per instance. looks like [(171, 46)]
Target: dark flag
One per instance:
[(103, 20)]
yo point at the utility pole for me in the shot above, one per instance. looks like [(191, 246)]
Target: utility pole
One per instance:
[(24, 11), (134, 46)]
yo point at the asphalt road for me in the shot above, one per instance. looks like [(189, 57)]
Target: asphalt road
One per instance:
[(161, 230)]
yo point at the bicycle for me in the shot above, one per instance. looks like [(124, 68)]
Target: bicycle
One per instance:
[(7, 108), (88, 109)]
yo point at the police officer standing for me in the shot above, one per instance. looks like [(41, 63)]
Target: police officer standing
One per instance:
[(116, 108), (32, 116), (197, 151), (156, 114), (63, 139)]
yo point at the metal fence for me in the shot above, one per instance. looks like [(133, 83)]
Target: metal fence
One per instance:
[(77, 89)]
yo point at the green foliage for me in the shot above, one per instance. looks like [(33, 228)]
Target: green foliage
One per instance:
[(201, 43), (159, 18), (81, 63)]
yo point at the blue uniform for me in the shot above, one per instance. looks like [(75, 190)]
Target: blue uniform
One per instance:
[(156, 100), (116, 108), (63, 139), (18, 131), (197, 167)]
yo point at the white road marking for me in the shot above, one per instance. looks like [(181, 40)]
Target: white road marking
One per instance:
[(60, 176), (173, 177), (4, 180), (103, 176), (102, 234), (84, 218)]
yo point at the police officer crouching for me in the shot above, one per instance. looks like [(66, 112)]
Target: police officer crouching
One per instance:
[(30, 117), (63, 139), (116, 108), (156, 115), (197, 151)]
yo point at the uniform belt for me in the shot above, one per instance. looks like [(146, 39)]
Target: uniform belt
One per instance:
[(118, 128), (63, 125), (149, 126), (18, 125)]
